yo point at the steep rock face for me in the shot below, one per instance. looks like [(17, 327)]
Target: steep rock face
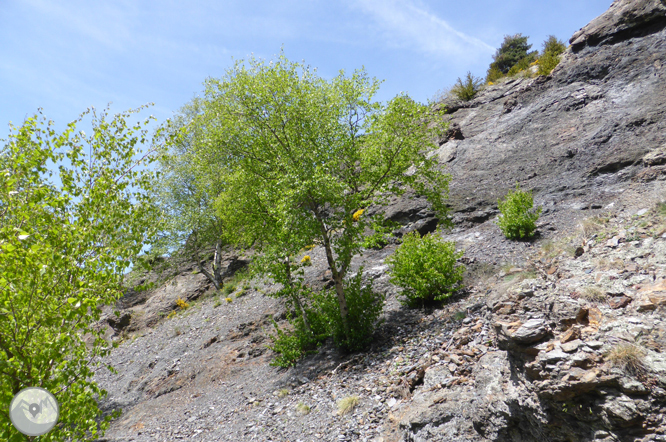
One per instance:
[(577, 135), (579, 139)]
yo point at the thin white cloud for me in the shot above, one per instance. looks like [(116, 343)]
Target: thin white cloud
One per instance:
[(106, 23), (406, 23)]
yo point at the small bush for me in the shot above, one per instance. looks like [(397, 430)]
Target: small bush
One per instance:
[(493, 75), (288, 347), (468, 88), (229, 288), (550, 57), (291, 345), (347, 404), (364, 306), (517, 219), (593, 294), (553, 46), (426, 269), (628, 357), (523, 64), (302, 408), (547, 63)]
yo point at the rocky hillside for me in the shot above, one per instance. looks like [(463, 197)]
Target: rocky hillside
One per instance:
[(558, 339)]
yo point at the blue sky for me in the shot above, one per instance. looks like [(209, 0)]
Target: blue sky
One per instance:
[(68, 55)]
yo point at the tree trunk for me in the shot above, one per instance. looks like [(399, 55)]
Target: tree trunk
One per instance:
[(337, 276), (215, 278), (294, 296), (217, 262)]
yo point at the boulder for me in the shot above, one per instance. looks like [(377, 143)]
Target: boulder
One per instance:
[(623, 19)]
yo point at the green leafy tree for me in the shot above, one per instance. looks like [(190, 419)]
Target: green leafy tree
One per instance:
[(305, 156), (186, 195), (426, 268), (513, 49), (518, 219), (63, 252)]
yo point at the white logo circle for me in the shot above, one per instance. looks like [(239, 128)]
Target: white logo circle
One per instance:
[(34, 411)]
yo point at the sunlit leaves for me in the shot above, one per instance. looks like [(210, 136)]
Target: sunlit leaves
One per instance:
[(63, 250), (297, 155)]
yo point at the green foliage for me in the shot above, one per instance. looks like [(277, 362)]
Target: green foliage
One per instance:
[(553, 46), (365, 308), (323, 318), (291, 345), (425, 267), (288, 346), (550, 57), (186, 194), (514, 48), (381, 233), (468, 88), (63, 252), (298, 156), (493, 74), (517, 219), (523, 64)]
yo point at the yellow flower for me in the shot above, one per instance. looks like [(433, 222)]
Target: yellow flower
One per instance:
[(357, 215), (490, 83), (182, 304), (228, 299), (306, 260)]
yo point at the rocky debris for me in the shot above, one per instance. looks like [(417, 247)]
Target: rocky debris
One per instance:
[(548, 372)]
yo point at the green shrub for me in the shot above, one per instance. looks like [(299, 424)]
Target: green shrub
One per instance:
[(517, 219), (382, 232), (466, 89), (523, 64), (324, 320), (425, 268), (514, 48), (493, 75), (553, 46), (550, 57), (547, 63), (287, 345), (229, 288), (291, 345), (364, 306)]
